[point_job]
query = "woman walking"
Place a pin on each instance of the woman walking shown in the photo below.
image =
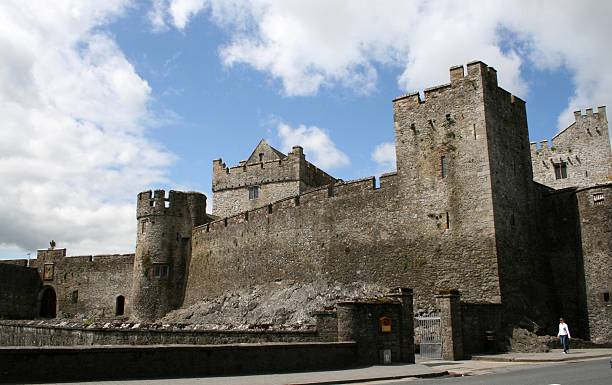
(564, 335)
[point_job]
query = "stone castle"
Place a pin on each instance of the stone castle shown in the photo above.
(522, 230)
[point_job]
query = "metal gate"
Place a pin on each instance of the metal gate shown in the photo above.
(428, 336)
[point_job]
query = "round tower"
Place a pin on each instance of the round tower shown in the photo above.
(163, 250)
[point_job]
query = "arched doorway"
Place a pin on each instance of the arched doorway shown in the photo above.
(120, 305)
(48, 303)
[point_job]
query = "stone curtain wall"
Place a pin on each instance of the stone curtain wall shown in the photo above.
(124, 362)
(19, 287)
(585, 148)
(595, 206)
(87, 285)
(396, 235)
(351, 232)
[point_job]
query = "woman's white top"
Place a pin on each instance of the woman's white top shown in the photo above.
(564, 330)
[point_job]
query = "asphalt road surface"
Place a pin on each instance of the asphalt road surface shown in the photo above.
(594, 372)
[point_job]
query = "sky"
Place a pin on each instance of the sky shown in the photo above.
(102, 100)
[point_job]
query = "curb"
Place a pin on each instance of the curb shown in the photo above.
(535, 359)
(370, 379)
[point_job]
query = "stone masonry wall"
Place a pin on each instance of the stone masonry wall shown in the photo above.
(351, 232)
(19, 287)
(560, 263)
(584, 146)
(513, 201)
(163, 250)
(276, 179)
(87, 285)
(232, 201)
(97, 363)
(595, 207)
(19, 333)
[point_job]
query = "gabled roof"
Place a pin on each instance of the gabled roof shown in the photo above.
(264, 152)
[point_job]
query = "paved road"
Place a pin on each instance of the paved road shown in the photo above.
(592, 372)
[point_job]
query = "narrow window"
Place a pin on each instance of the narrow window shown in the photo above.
(261, 155)
(253, 192)
(474, 130)
(447, 221)
(160, 270)
(443, 167)
(598, 199)
(560, 170)
(606, 297)
(120, 305)
(142, 227)
(75, 296)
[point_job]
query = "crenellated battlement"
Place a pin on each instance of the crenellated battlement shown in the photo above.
(578, 155)
(173, 204)
(307, 199)
(291, 168)
(589, 114)
(60, 255)
(478, 73)
(590, 124)
(266, 176)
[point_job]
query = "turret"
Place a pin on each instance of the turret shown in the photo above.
(163, 250)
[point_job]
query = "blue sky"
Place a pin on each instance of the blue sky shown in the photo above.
(105, 100)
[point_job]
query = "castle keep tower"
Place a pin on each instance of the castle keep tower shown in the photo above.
(163, 250)
(266, 176)
(463, 155)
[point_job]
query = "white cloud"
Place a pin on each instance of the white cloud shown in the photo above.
(74, 113)
(384, 156)
(315, 44)
(318, 146)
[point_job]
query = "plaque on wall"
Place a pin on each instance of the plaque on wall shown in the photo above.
(48, 272)
(385, 324)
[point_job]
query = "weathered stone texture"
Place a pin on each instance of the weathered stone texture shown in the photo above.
(396, 235)
(163, 250)
(19, 286)
(449, 304)
(276, 175)
(584, 147)
(595, 207)
(87, 285)
(14, 333)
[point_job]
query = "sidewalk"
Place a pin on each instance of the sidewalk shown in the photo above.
(482, 364)
(555, 355)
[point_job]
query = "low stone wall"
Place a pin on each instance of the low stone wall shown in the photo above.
(51, 364)
(19, 333)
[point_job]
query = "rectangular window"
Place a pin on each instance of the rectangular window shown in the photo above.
(560, 170)
(443, 167)
(75, 296)
(160, 270)
(598, 199)
(253, 192)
